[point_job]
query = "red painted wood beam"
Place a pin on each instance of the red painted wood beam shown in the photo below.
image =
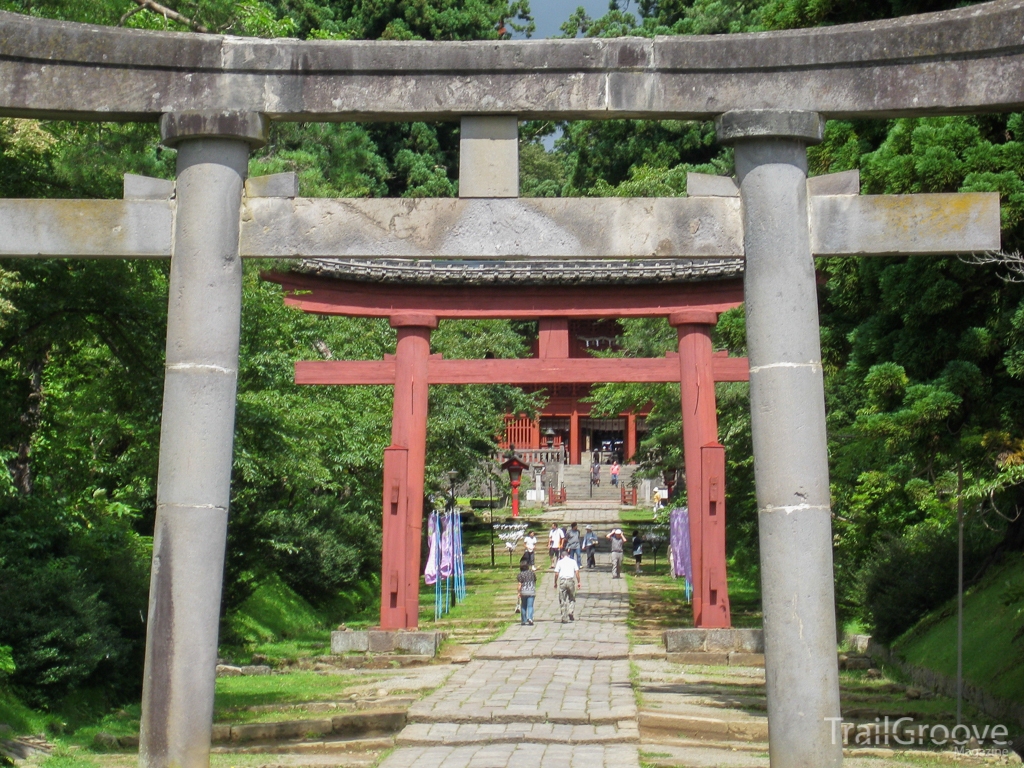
(573, 370)
(328, 296)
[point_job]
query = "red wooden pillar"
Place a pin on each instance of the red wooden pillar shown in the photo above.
(700, 428)
(403, 529)
(714, 585)
(392, 574)
(630, 437)
(553, 337)
(576, 453)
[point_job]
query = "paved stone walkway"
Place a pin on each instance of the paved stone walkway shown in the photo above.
(605, 514)
(548, 696)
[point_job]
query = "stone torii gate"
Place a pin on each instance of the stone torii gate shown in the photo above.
(769, 94)
(414, 310)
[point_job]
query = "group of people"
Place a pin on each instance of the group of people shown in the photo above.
(595, 472)
(565, 547)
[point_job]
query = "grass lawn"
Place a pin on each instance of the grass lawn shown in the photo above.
(993, 634)
(657, 601)
(490, 590)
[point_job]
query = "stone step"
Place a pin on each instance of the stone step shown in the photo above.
(374, 721)
(375, 745)
(608, 716)
(468, 734)
(723, 729)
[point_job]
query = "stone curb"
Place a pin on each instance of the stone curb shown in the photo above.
(742, 730)
(350, 724)
(613, 716)
(709, 659)
(311, 747)
(517, 736)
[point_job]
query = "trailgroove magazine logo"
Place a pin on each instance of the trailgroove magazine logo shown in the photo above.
(904, 732)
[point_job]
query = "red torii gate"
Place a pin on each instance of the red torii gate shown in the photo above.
(415, 309)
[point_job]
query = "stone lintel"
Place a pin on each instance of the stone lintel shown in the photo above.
(251, 127)
(489, 156)
(967, 60)
(444, 228)
(738, 125)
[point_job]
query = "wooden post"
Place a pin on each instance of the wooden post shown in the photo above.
(630, 437)
(396, 502)
(714, 585)
(409, 431)
(700, 427)
(575, 455)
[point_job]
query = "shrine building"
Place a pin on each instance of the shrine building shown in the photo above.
(565, 419)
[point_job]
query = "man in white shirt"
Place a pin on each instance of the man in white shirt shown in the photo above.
(567, 580)
(530, 545)
(555, 537)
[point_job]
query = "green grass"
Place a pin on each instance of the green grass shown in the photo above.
(20, 717)
(274, 611)
(639, 515)
(234, 694)
(484, 585)
(993, 635)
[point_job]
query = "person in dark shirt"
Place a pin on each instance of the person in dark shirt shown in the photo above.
(527, 589)
(638, 550)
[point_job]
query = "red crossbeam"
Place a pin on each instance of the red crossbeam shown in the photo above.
(518, 371)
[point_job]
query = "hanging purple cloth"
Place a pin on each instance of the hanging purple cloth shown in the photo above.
(679, 536)
(430, 572)
(446, 547)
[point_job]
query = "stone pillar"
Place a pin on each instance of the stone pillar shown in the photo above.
(700, 428)
(489, 156)
(787, 407)
(409, 430)
(196, 436)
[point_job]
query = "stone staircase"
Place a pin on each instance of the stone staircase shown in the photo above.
(577, 483)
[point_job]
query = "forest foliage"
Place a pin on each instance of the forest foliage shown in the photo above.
(924, 357)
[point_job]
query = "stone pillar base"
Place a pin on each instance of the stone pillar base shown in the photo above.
(417, 643)
(715, 647)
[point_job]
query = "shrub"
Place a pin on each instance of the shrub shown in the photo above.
(911, 575)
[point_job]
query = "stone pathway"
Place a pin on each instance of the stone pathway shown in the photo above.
(551, 695)
(603, 514)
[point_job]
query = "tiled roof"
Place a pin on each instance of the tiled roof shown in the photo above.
(526, 272)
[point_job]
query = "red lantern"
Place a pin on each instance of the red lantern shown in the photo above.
(515, 468)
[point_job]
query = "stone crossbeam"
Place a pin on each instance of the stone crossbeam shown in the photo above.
(557, 228)
(86, 228)
(892, 225)
(518, 371)
(441, 228)
(967, 60)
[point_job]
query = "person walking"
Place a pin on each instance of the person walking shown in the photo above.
(527, 590)
(530, 548)
(615, 468)
(617, 539)
(590, 546)
(567, 581)
(638, 550)
(595, 473)
(574, 543)
(555, 537)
